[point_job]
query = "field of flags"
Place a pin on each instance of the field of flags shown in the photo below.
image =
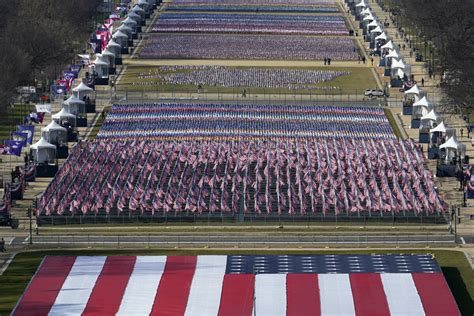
(257, 159)
(249, 23)
(232, 46)
(225, 7)
(231, 77)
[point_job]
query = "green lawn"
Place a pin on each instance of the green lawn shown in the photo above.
(456, 269)
(359, 79)
(13, 116)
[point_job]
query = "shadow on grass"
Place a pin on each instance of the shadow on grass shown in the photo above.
(459, 290)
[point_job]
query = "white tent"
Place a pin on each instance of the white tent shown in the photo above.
(126, 30)
(120, 38)
(440, 128)
(388, 45)
(451, 143)
(101, 66)
(400, 73)
(134, 16)
(369, 17)
(108, 56)
(377, 30)
(361, 4)
(75, 106)
(373, 23)
(393, 54)
(365, 11)
(63, 114)
(398, 64)
(431, 116)
(43, 151)
(138, 10)
(413, 90)
(115, 48)
(382, 36)
(129, 21)
(452, 148)
(54, 133)
(422, 102)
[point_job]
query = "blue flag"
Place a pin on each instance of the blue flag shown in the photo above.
(70, 75)
(20, 137)
(29, 130)
(58, 89)
(14, 147)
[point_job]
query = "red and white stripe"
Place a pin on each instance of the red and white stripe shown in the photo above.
(160, 285)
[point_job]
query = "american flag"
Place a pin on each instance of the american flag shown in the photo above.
(238, 285)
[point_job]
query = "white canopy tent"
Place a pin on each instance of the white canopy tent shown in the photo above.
(369, 17)
(54, 133)
(413, 90)
(131, 23)
(392, 54)
(120, 38)
(422, 102)
(75, 106)
(108, 56)
(430, 116)
(43, 152)
(64, 116)
(365, 11)
(134, 16)
(453, 148)
(361, 4)
(115, 48)
(81, 90)
(382, 37)
(373, 23)
(388, 45)
(126, 30)
(440, 128)
(377, 30)
(101, 67)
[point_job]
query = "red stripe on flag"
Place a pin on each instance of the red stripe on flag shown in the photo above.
(435, 294)
(108, 291)
(302, 295)
(45, 286)
(368, 294)
(237, 295)
(173, 291)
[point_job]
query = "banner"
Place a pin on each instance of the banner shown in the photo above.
(43, 108)
(14, 147)
(70, 74)
(21, 137)
(29, 130)
(58, 89)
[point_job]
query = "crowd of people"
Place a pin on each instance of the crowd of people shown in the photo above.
(251, 23)
(229, 77)
(229, 46)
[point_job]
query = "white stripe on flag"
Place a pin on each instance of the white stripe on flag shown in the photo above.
(142, 286)
(77, 288)
(270, 294)
(206, 287)
(402, 295)
(336, 294)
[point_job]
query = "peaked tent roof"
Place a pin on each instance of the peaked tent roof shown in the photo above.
(382, 36)
(388, 45)
(53, 126)
(398, 64)
(440, 128)
(373, 23)
(42, 143)
(368, 17)
(421, 102)
(377, 30)
(393, 54)
(432, 116)
(451, 143)
(63, 113)
(413, 90)
(119, 34)
(82, 87)
(361, 4)
(129, 20)
(73, 100)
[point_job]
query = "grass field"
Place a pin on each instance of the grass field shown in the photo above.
(359, 79)
(456, 269)
(14, 116)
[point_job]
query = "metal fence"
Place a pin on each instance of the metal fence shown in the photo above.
(241, 240)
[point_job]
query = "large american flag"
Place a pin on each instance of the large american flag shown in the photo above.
(238, 285)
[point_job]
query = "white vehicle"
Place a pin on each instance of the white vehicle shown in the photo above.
(373, 93)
